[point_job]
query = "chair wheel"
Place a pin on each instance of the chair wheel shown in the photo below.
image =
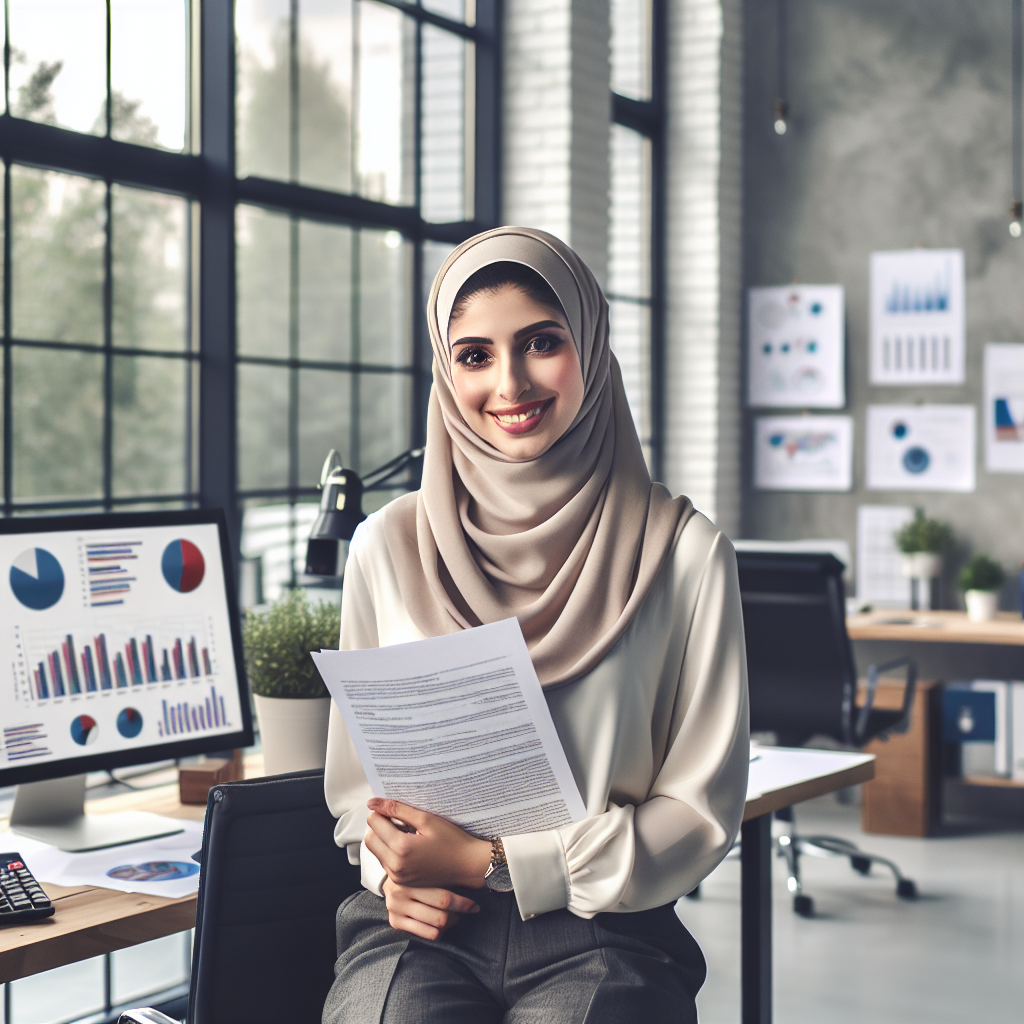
(803, 905)
(861, 864)
(906, 889)
(694, 893)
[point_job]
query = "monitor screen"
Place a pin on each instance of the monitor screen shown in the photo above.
(119, 643)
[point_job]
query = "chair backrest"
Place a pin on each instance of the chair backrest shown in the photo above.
(799, 660)
(272, 880)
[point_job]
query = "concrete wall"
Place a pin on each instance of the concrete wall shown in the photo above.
(899, 136)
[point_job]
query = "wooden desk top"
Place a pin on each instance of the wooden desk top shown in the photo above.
(936, 627)
(92, 921)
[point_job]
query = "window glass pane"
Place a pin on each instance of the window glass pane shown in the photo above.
(630, 329)
(385, 404)
(629, 231)
(385, 85)
(263, 427)
(385, 285)
(325, 292)
(454, 9)
(262, 33)
(148, 967)
(274, 536)
(443, 168)
(263, 273)
(59, 62)
(325, 400)
(65, 993)
(151, 279)
(57, 256)
(325, 94)
(150, 428)
(149, 83)
(631, 48)
(58, 423)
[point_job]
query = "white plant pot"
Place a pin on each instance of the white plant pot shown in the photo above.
(922, 565)
(294, 733)
(982, 605)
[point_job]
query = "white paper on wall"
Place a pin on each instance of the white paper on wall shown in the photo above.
(917, 317)
(803, 453)
(920, 447)
(880, 578)
(1004, 408)
(795, 347)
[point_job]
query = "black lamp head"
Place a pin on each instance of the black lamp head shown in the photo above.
(341, 511)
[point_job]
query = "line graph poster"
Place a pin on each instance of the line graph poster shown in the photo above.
(803, 453)
(795, 347)
(921, 447)
(917, 317)
(1004, 408)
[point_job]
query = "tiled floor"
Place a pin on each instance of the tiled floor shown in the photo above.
(955, 955)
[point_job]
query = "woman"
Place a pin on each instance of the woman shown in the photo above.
(536, 502)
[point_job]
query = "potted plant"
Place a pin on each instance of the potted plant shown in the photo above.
(980, 581)
(922, 542)
(292, 703)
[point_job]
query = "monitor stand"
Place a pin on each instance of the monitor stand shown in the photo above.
(54, 812)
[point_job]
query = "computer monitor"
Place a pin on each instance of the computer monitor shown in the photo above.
(119, 645)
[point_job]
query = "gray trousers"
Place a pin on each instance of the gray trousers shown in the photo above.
(495, 968)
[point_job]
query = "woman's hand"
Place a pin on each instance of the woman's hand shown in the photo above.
(426, 913)
(437, 854)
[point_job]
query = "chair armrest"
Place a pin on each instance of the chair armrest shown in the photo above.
(145, 1015)
(909, 690)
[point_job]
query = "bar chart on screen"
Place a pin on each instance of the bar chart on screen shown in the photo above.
(198, 715)
(110, 570)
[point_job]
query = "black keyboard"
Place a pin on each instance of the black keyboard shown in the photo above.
(21, 898)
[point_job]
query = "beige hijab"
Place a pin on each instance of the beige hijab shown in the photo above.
(569, 542)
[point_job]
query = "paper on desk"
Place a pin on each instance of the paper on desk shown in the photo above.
(457, 725)
(156, 867)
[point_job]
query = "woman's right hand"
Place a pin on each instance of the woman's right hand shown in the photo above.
(425, 913)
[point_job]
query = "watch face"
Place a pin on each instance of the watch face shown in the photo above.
(498, 879)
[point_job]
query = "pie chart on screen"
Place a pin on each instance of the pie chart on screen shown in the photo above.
(129, 723)
(84, 730)
(183, 565)
(37, 579)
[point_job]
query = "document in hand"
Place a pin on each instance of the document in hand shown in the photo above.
(457, 725)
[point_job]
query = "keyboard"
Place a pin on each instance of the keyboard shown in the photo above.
(21, 897)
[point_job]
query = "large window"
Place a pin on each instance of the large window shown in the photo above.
(219, 220)
(634, 270)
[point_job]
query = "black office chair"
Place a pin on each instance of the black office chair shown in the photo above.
(272, 880)
(803, 683)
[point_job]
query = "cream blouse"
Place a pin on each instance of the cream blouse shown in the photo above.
(656, 736)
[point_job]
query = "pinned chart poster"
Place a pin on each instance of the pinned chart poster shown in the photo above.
(917, 317)
(1004, 408)
(920, 447)
(803, 453)
(795, 347)
(880, 577)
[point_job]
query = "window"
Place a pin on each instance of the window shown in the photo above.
(216, 249)
(634, 267)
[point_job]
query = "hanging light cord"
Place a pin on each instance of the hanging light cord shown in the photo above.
(781, 106)
(1017, 205)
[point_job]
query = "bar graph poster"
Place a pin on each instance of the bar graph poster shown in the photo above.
(803, 453)
(921, 447)
(795, 347)
(917, 317)
(1004, 408)
(880, 577)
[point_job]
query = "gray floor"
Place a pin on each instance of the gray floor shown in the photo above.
(955, 955)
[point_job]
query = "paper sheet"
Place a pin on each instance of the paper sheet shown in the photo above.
(157, 867)
(1004, 408)
(921, 448)
(795, 347)
(880, 578)
(803, 453)
(457, 725)
(917, 317)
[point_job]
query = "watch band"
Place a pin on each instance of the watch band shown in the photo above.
(497, 877)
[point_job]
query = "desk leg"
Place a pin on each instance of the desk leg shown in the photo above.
(756, 889)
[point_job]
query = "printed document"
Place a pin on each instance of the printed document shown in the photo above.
(457, 725)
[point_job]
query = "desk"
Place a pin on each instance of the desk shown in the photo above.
(779, 778)
(93, 921)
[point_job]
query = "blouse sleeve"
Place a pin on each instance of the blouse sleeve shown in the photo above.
(635, 858)
(345, 783)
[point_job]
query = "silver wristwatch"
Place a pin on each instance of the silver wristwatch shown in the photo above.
(497, 877)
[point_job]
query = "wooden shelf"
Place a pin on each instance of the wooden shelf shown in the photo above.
(989, 780)
(937, 627)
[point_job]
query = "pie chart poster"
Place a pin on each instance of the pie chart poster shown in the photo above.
(921, 448)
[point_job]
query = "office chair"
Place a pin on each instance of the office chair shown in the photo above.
(272, 880)
(803, 683)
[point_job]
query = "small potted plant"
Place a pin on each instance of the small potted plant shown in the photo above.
(980, 581)
(922, 542)
(292, 703)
